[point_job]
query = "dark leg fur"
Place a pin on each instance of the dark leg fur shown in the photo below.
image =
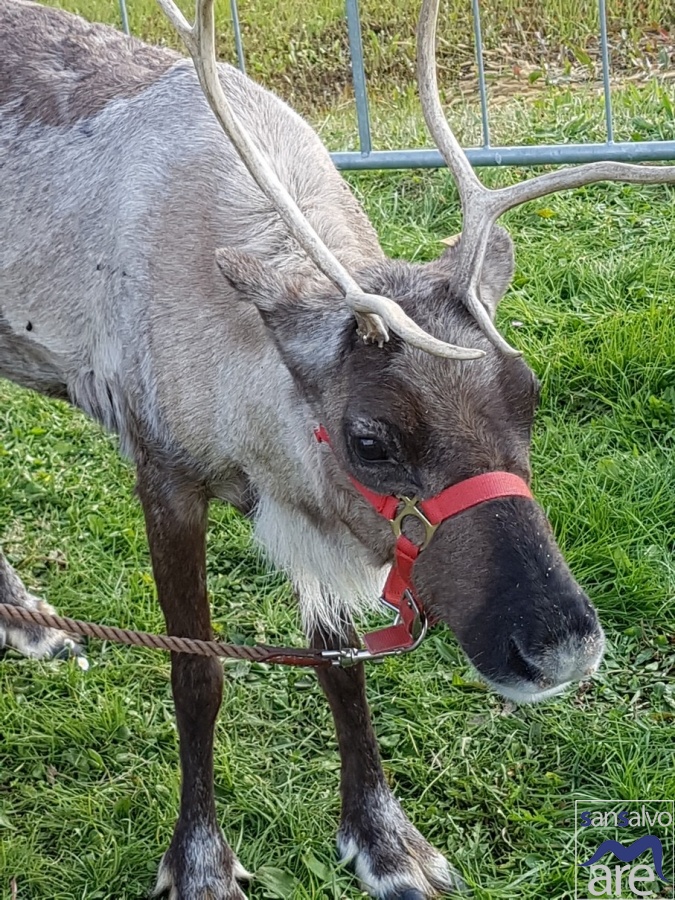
(199, 864)
(389, 855)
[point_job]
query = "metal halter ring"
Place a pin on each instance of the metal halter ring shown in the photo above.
(410, 508)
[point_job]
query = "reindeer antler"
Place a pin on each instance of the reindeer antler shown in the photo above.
(374, 313)
(481, 206)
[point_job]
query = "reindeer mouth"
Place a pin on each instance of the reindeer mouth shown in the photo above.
(525, 692)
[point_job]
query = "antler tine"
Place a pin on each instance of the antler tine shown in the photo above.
(468, 184)
(481, 206)
(578, 176)
(374, 314)
(478, 206)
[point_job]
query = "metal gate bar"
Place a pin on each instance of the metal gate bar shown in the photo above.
(482, 90)
(237, 35)
(487, 155)
(605, 72)
(359, 76)
(539, 155)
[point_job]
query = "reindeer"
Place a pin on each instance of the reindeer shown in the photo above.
(220, 301)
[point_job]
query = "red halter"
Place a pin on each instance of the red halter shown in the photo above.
(399, 593)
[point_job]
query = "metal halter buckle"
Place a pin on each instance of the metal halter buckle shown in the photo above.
(346, 657)
(410, 508)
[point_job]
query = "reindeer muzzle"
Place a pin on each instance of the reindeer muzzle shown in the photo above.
(412, 621)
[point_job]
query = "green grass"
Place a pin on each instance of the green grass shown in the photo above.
(88, 761)
(301, 50)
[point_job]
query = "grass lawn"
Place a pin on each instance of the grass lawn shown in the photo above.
(88, 761)
(300, 47)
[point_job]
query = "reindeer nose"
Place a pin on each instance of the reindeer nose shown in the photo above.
(578, 657)
(573, 659)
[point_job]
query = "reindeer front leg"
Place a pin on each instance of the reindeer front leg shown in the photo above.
(389, 855)
(199, 864)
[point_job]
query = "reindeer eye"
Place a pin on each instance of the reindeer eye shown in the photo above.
(370, 449)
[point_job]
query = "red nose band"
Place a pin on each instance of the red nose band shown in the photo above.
(399, 593)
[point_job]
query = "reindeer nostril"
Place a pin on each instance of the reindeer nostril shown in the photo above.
(523, 666)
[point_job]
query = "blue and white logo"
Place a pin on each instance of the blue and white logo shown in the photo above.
(620, 869)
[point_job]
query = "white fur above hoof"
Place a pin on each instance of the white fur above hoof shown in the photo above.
(203, 869)
(37, 642)
(390, 857)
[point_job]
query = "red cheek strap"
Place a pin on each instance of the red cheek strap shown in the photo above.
(399, 592)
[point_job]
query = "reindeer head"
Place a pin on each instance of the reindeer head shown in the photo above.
(414, 413)
(404, 422)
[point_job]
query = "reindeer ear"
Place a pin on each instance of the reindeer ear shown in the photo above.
(498, 265)
(253, 279)
(497, 268)
(310, 331)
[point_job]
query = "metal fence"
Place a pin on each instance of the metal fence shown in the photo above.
(486, 155)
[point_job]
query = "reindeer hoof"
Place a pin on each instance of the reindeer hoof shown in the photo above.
(390, 857)
(34, 641)
(199, 865)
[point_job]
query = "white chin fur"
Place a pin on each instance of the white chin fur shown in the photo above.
(332, 575)
(526, 692)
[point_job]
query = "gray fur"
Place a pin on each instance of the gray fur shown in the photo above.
(108, 242)
(73, 68)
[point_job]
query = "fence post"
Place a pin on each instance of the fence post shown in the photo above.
(478, 38)
(125, 16)
(487, 155)
(605, 71)
(359, 75)
(237, 36)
